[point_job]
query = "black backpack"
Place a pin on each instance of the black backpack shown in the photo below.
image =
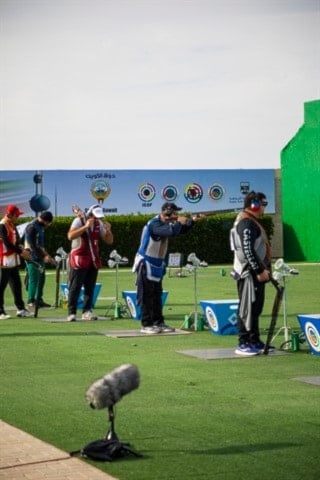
(106, 450)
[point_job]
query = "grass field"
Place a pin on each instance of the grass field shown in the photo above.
(190, 418)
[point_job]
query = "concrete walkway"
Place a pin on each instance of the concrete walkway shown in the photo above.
(24, 457)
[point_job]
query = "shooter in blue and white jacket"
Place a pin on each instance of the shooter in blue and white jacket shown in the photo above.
(150, 264)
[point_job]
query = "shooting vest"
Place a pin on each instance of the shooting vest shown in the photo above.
(8, 257)
(261, 246)
(152, 252)
(82, 255)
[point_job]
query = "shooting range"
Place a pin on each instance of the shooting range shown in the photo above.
(123, 106)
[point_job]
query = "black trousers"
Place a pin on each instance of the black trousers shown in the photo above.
(252, 335)
(87, 278)
(11, 276)
(150, 299)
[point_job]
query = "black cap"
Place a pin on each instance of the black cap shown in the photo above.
(170, 207)
(46, 216)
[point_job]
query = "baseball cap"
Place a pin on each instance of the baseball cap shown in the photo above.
(169, 206)
(13, 210)
(46, 216)
(96, 211)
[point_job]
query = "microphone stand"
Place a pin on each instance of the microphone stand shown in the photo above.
(112, 438)
(109, 448)
(111, 434)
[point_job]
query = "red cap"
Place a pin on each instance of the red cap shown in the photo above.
(13, 210)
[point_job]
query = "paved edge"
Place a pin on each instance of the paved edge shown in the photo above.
(24, 457)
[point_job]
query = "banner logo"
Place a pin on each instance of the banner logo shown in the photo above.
(146, 192)
(312, 335)
(216, 191)
(170, 193)
(131, 306)
(212, 319)
(193, 193)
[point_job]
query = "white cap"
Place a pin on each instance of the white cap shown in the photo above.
(96, 211)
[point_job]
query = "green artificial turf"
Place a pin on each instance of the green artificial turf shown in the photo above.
(190, 418)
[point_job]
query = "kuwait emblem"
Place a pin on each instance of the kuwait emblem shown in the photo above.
(100, 190)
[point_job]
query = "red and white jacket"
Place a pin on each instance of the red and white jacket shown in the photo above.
(82, 255)
(9, 251)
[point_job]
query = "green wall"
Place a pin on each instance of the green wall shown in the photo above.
(300, 180)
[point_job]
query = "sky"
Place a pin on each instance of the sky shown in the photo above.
(154, 84)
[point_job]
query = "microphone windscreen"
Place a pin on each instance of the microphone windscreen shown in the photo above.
(108, 390)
